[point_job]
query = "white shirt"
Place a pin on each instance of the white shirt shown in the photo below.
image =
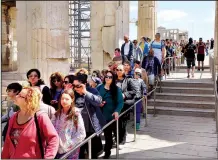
(126, 48)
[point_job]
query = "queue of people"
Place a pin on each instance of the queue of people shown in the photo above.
(49, 121)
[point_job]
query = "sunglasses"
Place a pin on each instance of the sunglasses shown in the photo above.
(109, 77)
(57, 80)
(119, 70)
(77, 86)
(66, 82)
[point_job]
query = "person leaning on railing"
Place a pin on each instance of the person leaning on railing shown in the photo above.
(30, 134)
(112, 103)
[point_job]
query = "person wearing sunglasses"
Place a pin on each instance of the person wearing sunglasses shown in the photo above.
(68, 81)
(34, 79)
(31, 134)
(56, 83)
(131, 93)
(112, 104)
(88, 100)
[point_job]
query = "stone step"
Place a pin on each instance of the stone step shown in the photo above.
(195, 112)
(182, 96)
(182, 103)
(188, 90)
(188, 83)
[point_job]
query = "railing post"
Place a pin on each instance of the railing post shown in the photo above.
(146, 111)
(90, 148)
(117, 128)
(135, 122)
(154, 103)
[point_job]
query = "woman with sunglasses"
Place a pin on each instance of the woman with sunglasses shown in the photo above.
(30, 134)
(112, 103)
(68, 81)
(56, 83)
(69, 124)
(33, 76)
(131, 93)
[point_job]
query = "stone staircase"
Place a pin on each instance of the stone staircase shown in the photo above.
(185, 97)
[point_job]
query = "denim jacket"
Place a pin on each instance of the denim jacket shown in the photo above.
(95, 121)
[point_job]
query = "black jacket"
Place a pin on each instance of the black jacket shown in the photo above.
(130, 55)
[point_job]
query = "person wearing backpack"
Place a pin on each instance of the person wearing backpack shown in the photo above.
(190, 56)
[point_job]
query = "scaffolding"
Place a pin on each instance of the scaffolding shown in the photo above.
(79, 34)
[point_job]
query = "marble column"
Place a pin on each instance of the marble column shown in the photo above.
(43, 37)
(216, 36)
(146, 19)
(109, 23)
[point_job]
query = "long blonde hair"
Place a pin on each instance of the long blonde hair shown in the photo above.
(33, 100)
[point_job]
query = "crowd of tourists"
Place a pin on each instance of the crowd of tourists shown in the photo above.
(48, 121)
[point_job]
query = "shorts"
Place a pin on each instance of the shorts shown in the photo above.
(200, 57)
(190, 62)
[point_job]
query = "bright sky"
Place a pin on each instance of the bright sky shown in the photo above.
(197, 17)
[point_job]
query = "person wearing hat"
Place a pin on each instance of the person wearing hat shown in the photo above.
(94, 82)
(143, 91)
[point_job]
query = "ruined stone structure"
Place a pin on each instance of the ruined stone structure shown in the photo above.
(174, 34)
(216, 37)
(42, 41)
(147, 19)
(109, 23)
(9, 42)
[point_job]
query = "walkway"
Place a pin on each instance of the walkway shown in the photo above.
(172, 137)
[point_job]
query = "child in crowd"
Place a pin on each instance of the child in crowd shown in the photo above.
(13, 90)
(137, 76)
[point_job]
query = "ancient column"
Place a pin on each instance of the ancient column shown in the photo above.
(146, 19)
(216, 36)
(43, 42)
(109, 23)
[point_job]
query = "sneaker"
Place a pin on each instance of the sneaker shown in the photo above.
(107, 155)
(198, 69)
(202, 69)
(137, 126)
(188, 76)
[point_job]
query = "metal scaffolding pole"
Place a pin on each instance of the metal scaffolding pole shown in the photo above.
(79, 34)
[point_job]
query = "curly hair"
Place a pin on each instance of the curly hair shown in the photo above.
(72, 114)
(82, 70)
(33, 99)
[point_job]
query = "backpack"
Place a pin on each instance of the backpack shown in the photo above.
(162, 44)
(190, 50)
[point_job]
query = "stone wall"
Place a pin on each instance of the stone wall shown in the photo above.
(109, 23)
(9, 43)
(43, 37)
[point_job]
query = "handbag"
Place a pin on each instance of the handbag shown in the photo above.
(39, 136)
(151, 79)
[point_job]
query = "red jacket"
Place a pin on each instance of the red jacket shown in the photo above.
(28, 146)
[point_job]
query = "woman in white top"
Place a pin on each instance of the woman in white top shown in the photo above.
(69, 125)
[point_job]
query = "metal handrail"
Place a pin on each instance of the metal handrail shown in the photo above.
(117, 127)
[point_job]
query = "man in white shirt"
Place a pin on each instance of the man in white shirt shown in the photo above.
(127, 49)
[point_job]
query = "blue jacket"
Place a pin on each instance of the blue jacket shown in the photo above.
(156, 67)
(95, 121)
